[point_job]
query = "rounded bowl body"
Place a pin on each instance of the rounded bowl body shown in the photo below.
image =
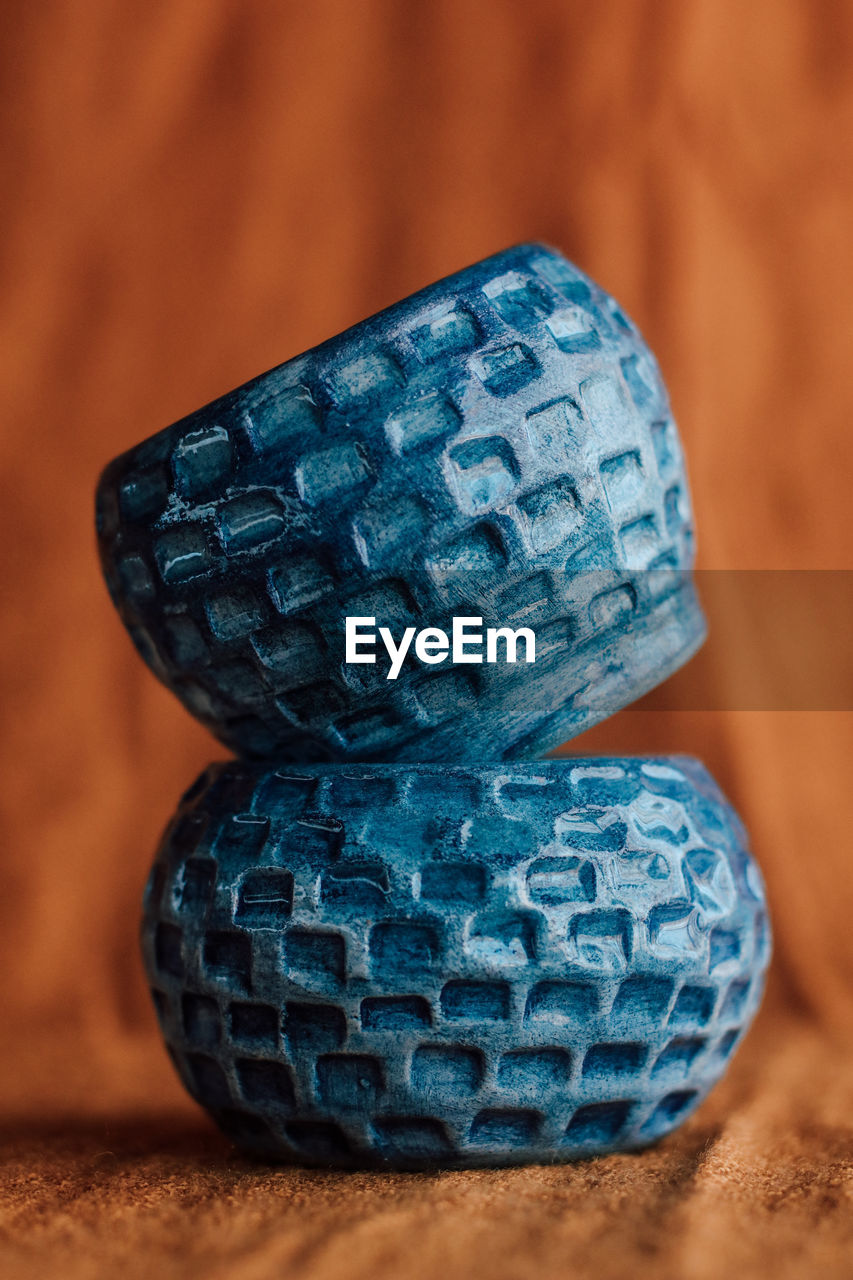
(409, 966)
(499, 445)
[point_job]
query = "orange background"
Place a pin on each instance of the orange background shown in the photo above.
(194, 192)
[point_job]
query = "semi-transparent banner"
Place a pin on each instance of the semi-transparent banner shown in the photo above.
(777, 640)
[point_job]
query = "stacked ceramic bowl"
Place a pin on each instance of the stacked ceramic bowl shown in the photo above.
(390, 575)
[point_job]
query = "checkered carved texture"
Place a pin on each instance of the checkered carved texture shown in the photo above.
(429, 965)
(500, 444)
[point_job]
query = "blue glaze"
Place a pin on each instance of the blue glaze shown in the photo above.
(426, 965)
(500, 444)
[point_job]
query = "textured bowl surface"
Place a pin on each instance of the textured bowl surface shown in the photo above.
(499, 444)
(427, 965)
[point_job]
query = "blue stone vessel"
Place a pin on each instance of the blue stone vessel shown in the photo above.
(499, 444)
(419, 965)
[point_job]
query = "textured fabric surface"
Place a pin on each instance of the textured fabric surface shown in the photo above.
(193, 193)
(757, 1183)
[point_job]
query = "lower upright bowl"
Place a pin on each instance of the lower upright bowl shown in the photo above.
(419, 965)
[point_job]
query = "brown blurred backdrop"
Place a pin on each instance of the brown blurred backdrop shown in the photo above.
(195, 191)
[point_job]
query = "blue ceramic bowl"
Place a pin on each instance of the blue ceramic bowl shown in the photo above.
(498, 445)
(411, 966)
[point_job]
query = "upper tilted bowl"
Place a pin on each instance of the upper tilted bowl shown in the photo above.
(499, 445)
